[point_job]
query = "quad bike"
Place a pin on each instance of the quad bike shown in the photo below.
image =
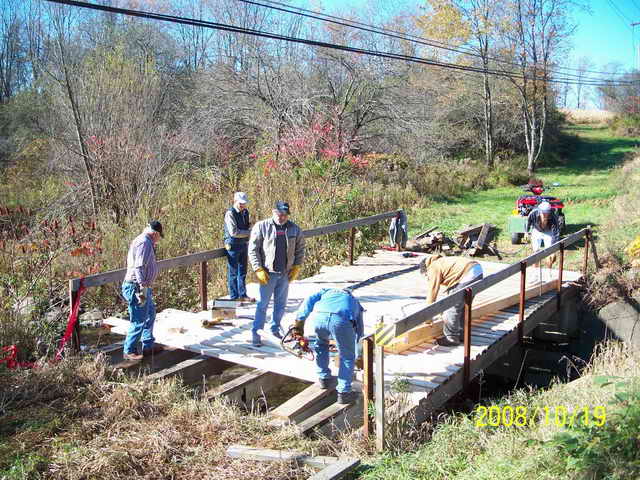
(517, 225)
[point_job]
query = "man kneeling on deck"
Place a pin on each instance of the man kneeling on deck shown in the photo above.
(454, 273)
(336, 314)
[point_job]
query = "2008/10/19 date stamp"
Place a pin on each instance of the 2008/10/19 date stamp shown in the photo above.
(521, 416)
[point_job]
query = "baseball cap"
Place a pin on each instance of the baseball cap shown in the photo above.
(156, 226)
(544, 207)
(240, 197)
(282, 207)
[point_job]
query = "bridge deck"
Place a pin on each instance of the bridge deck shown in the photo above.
(386, 284)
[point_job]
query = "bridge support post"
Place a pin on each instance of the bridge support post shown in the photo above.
(523, 288)
(380, 426)
(203, 285)
(468, 300)
(560, 271)
(352, 241)
(585, 260)
(367, 385)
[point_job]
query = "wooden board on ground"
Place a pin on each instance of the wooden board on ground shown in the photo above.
(426, 333)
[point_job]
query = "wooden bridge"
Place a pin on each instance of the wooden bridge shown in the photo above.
(390, 287)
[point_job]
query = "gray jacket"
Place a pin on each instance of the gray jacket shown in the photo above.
(262, 245)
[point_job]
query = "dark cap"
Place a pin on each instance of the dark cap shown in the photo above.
(156, 226)
(282, 207)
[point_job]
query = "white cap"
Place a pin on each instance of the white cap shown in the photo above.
(240, 197)
(544, 207)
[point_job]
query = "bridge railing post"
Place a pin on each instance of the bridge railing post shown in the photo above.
(523, 288)
(585, 260)
(367, 385)
(352, 241)
(560, 272)
(379, 387)
(203, 285)
(468, 300)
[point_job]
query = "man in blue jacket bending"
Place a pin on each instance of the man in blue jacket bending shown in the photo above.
(336, 314)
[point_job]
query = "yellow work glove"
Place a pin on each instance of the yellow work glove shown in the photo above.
(294, 272)
(227, 246)
(263, 276)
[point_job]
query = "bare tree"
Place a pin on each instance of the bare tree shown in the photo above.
(536, 32)
(584, 65)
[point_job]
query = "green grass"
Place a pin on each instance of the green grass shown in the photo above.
(587, 184)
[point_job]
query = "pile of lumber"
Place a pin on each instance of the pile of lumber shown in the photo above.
(477, 239)
(431, 241)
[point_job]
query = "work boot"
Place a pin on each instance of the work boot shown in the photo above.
(346, 398)
(152, 351)
(247, 299)
(133, 357)
(447, 342)
(255, 340)
(327, 383)
(277, 334)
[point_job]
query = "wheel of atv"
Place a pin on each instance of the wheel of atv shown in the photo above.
(562, 223)
(516, 238)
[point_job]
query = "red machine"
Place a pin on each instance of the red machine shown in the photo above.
(526, 203)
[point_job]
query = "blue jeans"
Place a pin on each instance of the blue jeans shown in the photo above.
(278, 287)
(327, 326)
(141, 317)
(237, 259)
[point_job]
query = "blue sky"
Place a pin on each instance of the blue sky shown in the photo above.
(603, 32)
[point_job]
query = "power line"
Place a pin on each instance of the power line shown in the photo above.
(317, 43)
(620, 14)
(394, 33)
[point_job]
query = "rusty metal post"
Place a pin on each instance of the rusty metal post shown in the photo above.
(352, 241)
(379, 394)
(203, 285)
(468, 300)
(367, 385)
(560, 271)
(523, 287)
(587, 239)
(75, 336)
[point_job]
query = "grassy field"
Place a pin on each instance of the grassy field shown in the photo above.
(586, 184)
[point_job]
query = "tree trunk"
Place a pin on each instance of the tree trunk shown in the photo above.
(488, 121)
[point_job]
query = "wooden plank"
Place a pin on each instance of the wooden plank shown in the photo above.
(337, 470)
(323, 417)
(483, 238)
(302, 402)
(481, 308)
(193, 370)
(447, 390)
(268, 455)
(339, 227)
(248, 386)
(470, 230)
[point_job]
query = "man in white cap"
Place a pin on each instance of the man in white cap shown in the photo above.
(543, 226)
(236, 241)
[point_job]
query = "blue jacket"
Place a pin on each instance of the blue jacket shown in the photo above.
(337, 301)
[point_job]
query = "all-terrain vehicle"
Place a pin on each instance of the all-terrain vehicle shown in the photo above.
(517, 224)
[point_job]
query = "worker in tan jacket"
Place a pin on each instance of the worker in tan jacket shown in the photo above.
(453, 273)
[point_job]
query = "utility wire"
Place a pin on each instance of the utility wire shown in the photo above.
(620, 14)
(317, 43)
(394, 33)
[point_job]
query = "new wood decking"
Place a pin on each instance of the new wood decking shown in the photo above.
(388, 285)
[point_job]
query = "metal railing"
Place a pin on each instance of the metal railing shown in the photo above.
(374, 352)
(202, 258)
